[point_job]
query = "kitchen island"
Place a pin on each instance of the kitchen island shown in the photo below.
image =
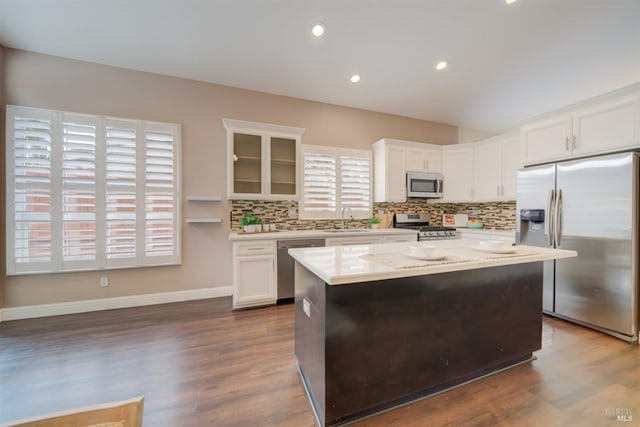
(376, 329)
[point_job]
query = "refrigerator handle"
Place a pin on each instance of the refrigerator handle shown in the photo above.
(549, 217)
(558, 219)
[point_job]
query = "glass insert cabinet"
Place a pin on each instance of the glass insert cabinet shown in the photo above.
(262, 160)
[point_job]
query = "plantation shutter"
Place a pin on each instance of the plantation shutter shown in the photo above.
(161, 203)
(87, 192)
(120, 197)
(319, 183)
(29, 222)
(355, 183)
(333, 179)
(78, 198)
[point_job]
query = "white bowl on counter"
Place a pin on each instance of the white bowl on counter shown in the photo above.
(426, 251)
(492, 244)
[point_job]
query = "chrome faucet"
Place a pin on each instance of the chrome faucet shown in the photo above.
(342, 216)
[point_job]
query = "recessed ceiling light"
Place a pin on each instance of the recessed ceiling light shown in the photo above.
(441, 65)
(318, 29)
(510, 1)
(355, 78)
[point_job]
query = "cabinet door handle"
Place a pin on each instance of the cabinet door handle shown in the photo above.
(426, 164)
(566, 143)
(502, 190)
(575, 143)
(498, 190)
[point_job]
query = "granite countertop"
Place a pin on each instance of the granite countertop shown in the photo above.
(302, 234)
(339, 265)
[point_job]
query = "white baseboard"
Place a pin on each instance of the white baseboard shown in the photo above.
(43, 310)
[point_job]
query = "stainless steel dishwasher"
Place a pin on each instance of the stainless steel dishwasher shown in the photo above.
(286, 266)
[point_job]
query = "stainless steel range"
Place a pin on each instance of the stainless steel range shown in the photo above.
(420, 222)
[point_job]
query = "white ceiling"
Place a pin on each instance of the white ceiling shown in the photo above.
(507, 62)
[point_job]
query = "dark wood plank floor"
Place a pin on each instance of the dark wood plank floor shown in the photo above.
(200, 364)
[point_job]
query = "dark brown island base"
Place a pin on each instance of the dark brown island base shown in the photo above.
(366, 347)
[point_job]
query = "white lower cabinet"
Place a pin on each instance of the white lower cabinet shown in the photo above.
(254, 274)
(356, 240)
(370, 240)
(400, 238)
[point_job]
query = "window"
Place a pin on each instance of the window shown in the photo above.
(333, 179)
(87, 192)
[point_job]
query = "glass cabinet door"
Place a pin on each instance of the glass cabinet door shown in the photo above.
(247, 163)
(283, 166)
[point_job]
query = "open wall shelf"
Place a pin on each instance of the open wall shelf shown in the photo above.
(203, 199)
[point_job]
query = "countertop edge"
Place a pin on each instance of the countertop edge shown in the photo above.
(302, 234)
(543, 254)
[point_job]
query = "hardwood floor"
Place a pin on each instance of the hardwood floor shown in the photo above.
(200, 364)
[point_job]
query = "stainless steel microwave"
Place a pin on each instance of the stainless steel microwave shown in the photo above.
(425, 184)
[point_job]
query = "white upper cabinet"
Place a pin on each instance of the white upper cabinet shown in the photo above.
(424, 160)
(262, 160)
(599, 126)
(497, 161)
(510, 163)
(389, 173)
(546, 140)
(458, 171)
(487, 180)
(606, 127)
(392, 158)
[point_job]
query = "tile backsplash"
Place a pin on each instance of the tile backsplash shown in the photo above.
(494, 215)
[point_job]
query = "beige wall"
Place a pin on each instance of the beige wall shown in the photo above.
(49, 82)
(473, 135)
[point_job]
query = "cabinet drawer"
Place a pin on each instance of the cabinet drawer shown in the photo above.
(347, 241)
(400, 239)
(254, 248)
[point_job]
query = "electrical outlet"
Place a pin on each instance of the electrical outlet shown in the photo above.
(104, 282)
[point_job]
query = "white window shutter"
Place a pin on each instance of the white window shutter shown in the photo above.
(355, 184)
(335, 178)
(78, 199)
(87, 192)
(120, 197)
(319, 184)
(29, 221)
(160, 198)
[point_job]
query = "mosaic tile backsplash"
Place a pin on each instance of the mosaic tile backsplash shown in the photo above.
(494, 215)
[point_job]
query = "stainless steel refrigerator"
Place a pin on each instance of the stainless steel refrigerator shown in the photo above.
(590, 206)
